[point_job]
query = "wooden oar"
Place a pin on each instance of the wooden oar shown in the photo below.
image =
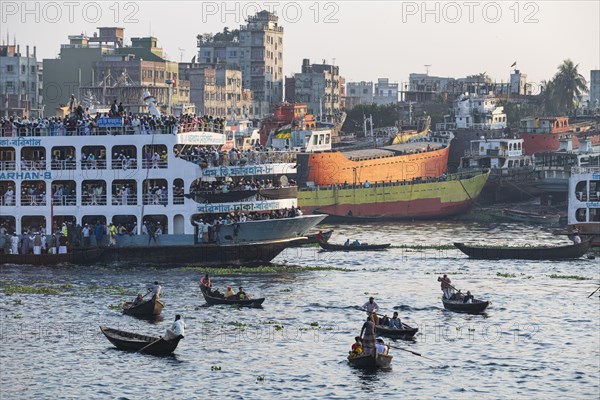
(148, 345)
(591, 294)
(412, 352)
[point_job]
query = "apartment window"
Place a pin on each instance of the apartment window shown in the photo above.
(9, 86)
(33, 69)
(10, 68)
(23, 69)
(23, 85)
(33, 86)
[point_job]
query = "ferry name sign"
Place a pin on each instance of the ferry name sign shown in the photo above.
(267, 205)
(201, 138)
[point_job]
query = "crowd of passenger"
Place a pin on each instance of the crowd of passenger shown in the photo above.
(67, 235)
(81, 122)
(225, 185)
(209, 225)
(211, 156)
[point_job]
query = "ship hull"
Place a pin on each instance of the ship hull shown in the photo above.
(410, 201)
(333, 168)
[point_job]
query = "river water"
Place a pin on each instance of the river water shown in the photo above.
(539, 339)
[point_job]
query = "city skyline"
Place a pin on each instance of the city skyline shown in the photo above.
(399, 38)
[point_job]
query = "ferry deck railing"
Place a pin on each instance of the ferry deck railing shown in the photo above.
(30, 131)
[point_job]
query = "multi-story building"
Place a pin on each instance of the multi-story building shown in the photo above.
(595, 89)
(358, 93)
(385, 92)
(73, 68)
(318, 85)
(103, 69)
(257, 50)
(19, 82)
(218, 91)
(135, 69)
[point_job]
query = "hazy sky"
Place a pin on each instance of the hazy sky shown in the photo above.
(366, 39)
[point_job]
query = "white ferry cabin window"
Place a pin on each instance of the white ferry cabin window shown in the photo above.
(580, 215)
(581, 190)
(594, 214)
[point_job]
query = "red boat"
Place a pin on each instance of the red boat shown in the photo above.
(541, 135)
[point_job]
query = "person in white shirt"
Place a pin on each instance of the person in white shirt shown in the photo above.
(177, 329)
(380, 346)
(155, 289)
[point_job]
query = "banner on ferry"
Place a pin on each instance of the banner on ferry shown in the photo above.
(21, 141)
(255, 206)
(110, 122)
(201, 138)
(263, 169)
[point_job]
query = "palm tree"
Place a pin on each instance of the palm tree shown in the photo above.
(569, 86)
(549, 101)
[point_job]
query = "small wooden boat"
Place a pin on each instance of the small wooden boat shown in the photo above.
(312, 238)
(134, 342)
(213, 300)
(371, 361)
(476, 307)
(362, 247)
(529, 217)
(407, 332)
(525, 253)
(148, 308)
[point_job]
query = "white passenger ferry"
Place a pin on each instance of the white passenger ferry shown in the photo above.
(584, 202)
(136, 172)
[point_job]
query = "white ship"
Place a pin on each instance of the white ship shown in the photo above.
(136, 174)
(584, 202)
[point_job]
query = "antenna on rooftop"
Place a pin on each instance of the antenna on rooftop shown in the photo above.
(180, 54)
(427, 68)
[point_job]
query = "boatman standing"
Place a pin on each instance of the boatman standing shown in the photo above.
(446, 286)
(155, 289)
(372, 308)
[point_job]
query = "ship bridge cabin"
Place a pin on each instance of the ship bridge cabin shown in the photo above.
(544, 125)
(495, 154)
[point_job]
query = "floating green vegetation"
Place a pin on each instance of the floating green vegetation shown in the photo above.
(9, 290)
(314, 324)
(505, 275)
(215, 368)
(17, 302)
(17, 316)
(111, 289)
(576, 277)
(115, 306)
(287, 290)
(260, 378)
(265, 269)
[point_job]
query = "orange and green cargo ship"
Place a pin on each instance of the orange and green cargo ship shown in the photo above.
(431, 198)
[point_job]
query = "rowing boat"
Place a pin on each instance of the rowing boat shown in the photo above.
(476, 307)
(148, 308)
(371, 361)
(130, 341)
(525, 253)
(213, 300)
(406, 332)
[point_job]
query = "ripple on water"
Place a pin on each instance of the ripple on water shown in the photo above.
(53, 345)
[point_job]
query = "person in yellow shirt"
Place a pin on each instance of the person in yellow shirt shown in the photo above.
(230, 294)
(356, 347)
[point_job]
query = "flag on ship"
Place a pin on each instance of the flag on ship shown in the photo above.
(513, 64)
(285, 132)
